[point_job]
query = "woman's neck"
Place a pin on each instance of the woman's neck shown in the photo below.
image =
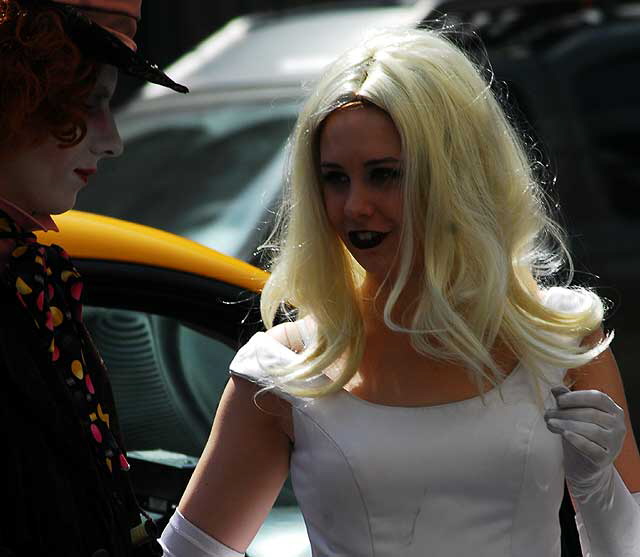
(374, 297)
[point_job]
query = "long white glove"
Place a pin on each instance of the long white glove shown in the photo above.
(593, 430)
(182, 538)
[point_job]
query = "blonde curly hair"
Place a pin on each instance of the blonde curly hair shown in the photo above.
(477, 215)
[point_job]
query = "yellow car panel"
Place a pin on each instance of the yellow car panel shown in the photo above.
(91, 236)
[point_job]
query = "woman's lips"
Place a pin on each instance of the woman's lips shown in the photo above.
(366, 239)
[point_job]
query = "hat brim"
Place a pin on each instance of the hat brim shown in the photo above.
(105, 47)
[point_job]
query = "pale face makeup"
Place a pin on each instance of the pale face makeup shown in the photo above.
(45, 179)
(361, 175)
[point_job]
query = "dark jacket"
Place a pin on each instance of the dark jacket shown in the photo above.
(58, 499)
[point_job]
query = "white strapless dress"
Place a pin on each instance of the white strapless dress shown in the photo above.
(451, 480)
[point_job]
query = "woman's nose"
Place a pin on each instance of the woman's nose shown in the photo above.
(359, 201)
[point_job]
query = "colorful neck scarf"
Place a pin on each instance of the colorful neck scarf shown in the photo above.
(49, 288)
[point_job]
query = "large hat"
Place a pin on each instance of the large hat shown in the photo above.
(104, 29)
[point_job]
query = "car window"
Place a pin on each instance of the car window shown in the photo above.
(207, 174)
(167, 338)
(167, 380)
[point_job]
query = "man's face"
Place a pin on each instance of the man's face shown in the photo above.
(45, 179)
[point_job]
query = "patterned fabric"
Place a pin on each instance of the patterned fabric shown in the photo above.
(49, 288)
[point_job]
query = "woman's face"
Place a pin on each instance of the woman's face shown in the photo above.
(46, 178)
(361, 175)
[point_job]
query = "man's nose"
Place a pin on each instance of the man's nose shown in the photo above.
(108, 142)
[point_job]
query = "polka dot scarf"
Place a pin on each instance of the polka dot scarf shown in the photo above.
(49, 288)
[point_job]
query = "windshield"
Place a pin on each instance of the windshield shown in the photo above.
(208, 174)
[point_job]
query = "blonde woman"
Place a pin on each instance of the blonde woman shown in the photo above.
(418, 396)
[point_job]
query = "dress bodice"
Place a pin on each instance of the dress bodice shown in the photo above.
(463, 478)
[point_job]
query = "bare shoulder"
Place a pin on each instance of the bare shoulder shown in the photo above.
(264, 406)
(601, 373)
(604, 363)
(290, 333)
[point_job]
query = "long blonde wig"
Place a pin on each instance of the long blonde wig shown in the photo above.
(474, 212)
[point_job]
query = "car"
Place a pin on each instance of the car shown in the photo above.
(167, 315)
(210, 166)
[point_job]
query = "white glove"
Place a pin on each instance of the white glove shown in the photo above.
(593, 428)
(182, 538)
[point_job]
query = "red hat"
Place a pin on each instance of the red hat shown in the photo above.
(104, 29)
(119, 17)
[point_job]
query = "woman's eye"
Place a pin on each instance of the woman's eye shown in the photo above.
(334, 178)
(383, 175)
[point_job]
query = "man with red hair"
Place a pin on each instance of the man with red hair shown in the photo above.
(64, 466)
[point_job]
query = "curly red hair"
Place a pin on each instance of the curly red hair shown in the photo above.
(44, 78)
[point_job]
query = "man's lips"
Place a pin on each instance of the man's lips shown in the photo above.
(84, 173)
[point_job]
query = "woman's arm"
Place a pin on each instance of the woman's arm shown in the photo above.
(242, 468)
(602, 462)
(602, 374)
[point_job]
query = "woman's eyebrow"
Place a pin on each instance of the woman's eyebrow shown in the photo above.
(374, 162)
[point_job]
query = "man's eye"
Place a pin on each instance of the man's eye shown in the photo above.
(334, 178)
(384, 175)
(93, 105)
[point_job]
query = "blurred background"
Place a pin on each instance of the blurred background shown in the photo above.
(169, 29)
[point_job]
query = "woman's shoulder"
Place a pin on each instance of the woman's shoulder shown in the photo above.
(294, 335)
(268, 352)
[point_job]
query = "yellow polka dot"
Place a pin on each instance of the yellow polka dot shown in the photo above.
(103, 415)
(93, 416)
(39, 260)
(65, 275)
(52, 346)
(19, 251)
(108, 461)
(49, 272)
(76, 369)
(22, 287)
(58, 316)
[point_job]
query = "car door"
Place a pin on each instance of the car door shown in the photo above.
(167, 316)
